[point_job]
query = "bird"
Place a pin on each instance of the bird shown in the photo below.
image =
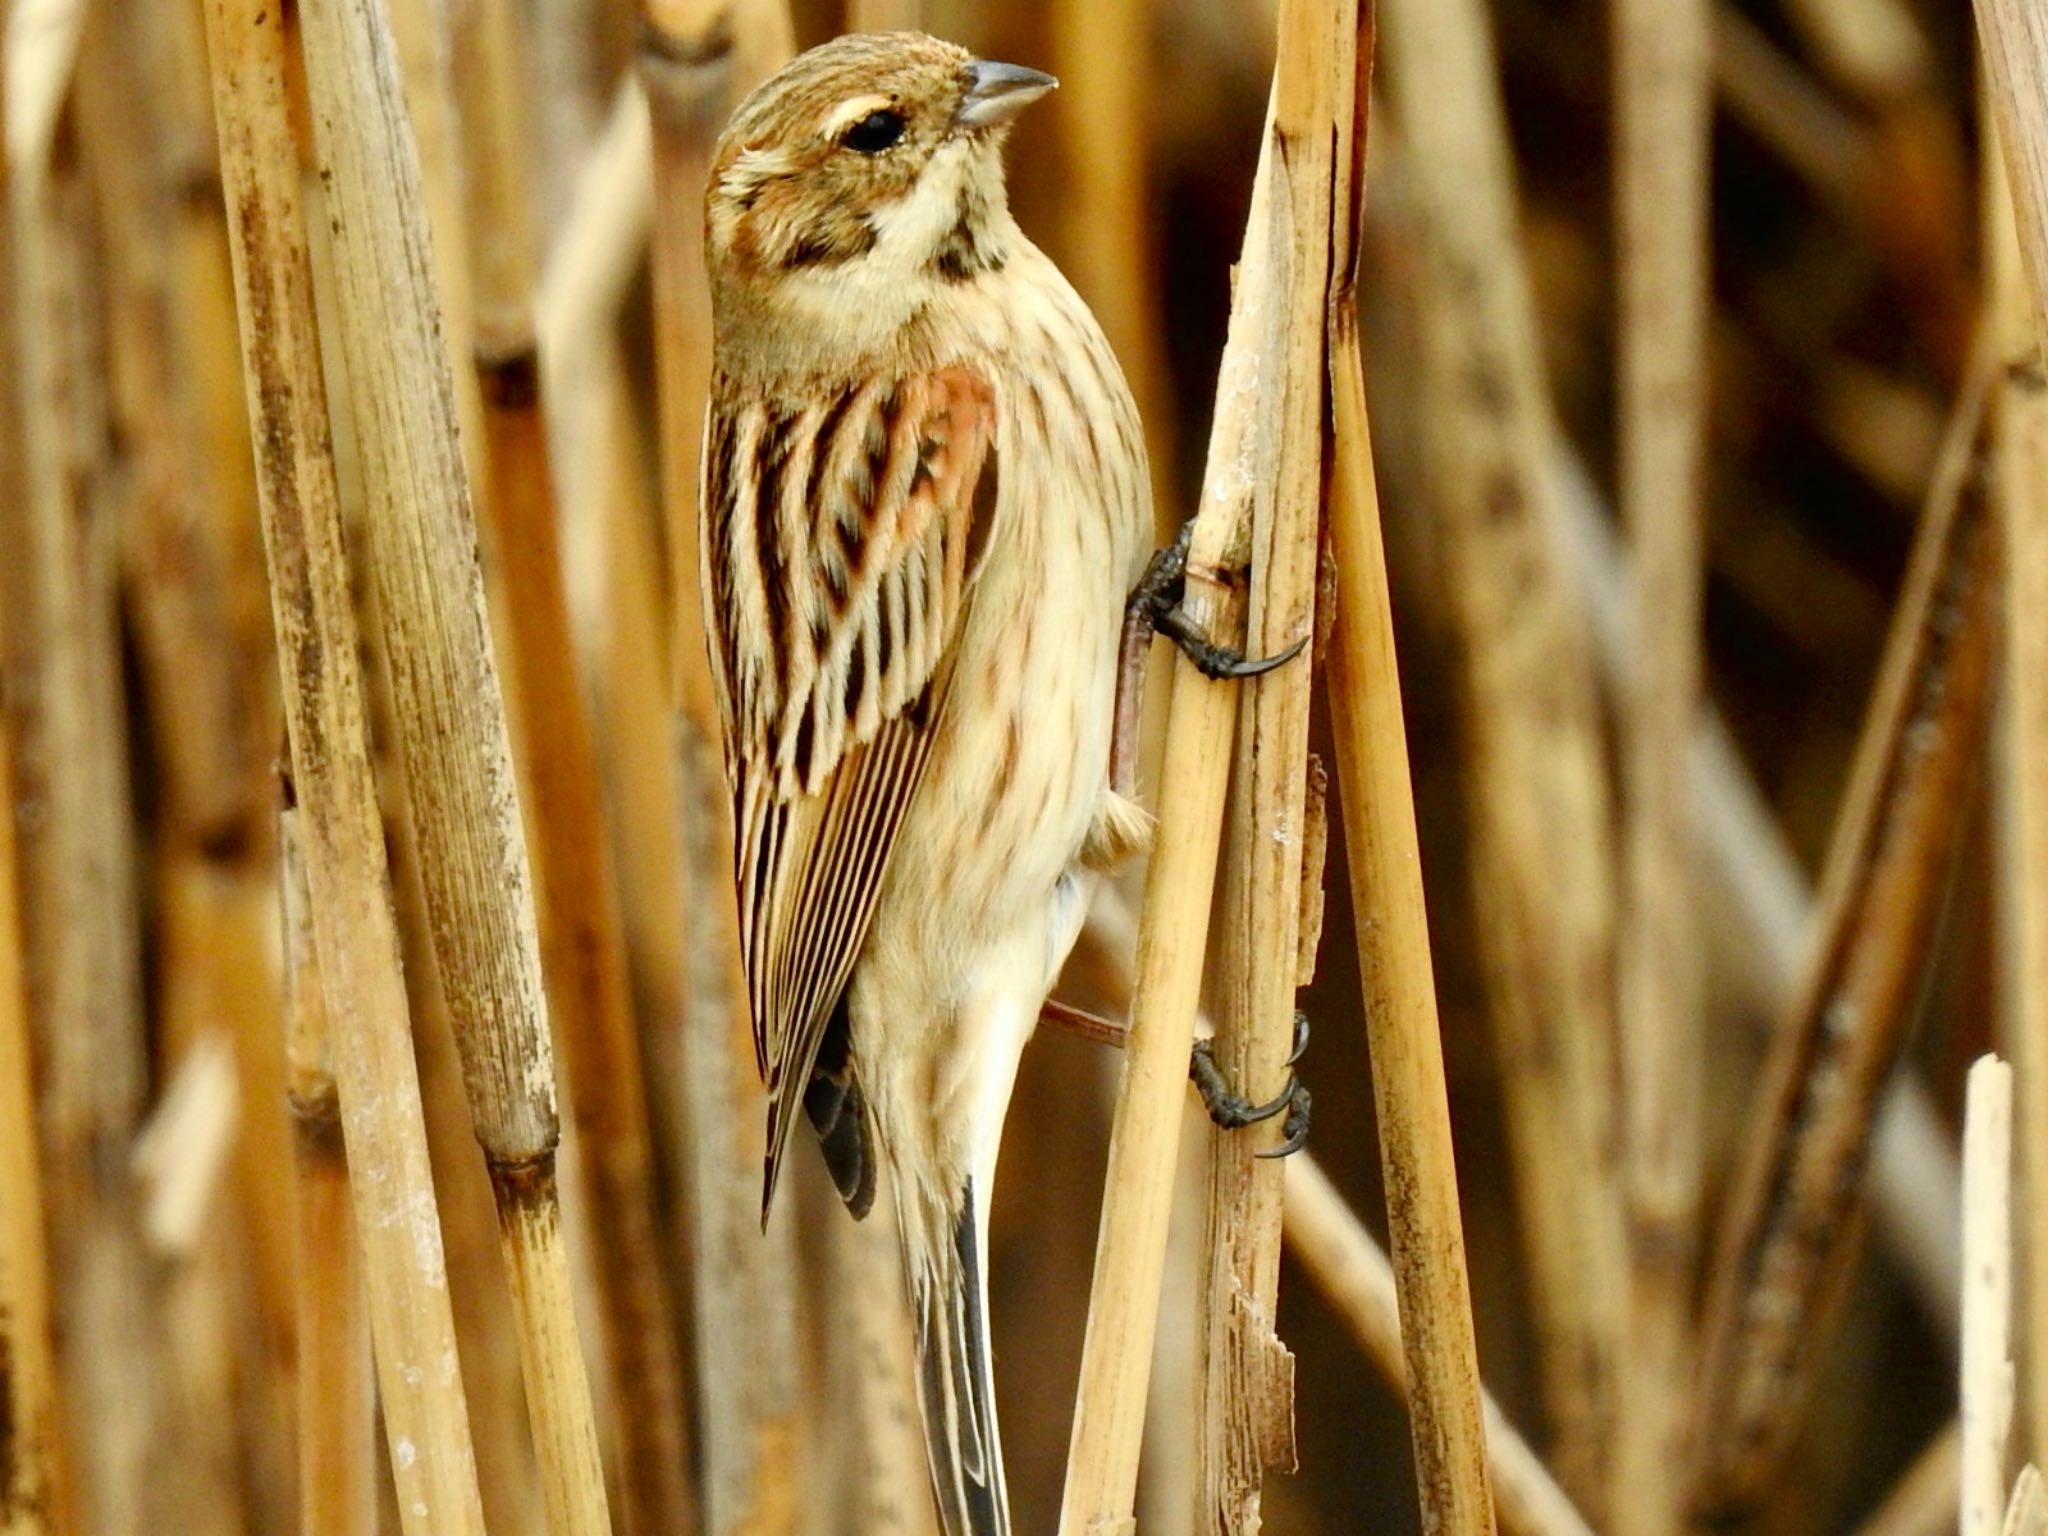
(925, 504)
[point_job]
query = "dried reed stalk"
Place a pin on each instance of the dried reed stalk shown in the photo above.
(1396, 977)
(876, 1386)
(2026, 1514)
(1357, 1279)
(1662, 112)
(1987, 1380)
(1923, 1502)
(2016, 51)
(419, 31)
(697, 56)
(1787, 1235)
(84, 972)
(1763, 933)
(2015, 42)
(193, 577)
(340, 826)
(1792, 113)
(32, 1446)
(336, 1388)
(1536, 781)
(209, 766)
(179, 1159)
(1103, 55)
(582, 939)
(1244, 1376)
(450, 714)
(32, 1471)
(1874, 48)
(602, 241)
(1130, 1251)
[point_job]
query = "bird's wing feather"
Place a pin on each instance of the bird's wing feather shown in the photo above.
(841, 539)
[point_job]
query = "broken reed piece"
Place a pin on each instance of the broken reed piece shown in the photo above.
(1536, 784)
(340, 830)
(697, 58)
(1662, 108)
(1987, 1375)
(1244, 1375)
(336, 1388)
(1787, 1234)
(452, 729)
(1357, 1280)
(1397, 979)
(581, 934)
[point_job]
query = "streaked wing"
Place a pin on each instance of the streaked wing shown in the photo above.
(840, 543)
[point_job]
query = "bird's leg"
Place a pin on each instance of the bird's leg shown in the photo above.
(1092, 1027)
(1154, 608)
(1227, 1108)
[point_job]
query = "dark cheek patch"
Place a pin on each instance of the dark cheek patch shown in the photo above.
(962, 254)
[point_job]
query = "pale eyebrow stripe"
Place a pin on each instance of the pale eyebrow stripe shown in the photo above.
(847, 113)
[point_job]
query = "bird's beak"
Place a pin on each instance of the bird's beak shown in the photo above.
(996, 93)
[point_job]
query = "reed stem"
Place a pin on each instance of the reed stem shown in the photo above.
(1987, 1295)
(1536, 781)
(1785, 1238)
(1398, 980)
(2016, 239)
(341, 831)
(582, 939)
(1357, 1279)
(1662, 110)
(336, 1386)
(1244, 1376)
(697, 57)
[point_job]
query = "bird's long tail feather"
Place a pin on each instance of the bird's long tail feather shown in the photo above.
(942, 1257)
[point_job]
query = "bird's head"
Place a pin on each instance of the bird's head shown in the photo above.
(866, 172)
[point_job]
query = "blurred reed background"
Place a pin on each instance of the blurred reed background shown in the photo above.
(1705, 497)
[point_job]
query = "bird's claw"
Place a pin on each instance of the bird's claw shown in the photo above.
(1157, 599)
(1231, 1111)
(1294, 1129)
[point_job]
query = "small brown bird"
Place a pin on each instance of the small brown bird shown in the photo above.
(925, 501)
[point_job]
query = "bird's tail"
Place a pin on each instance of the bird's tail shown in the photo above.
(942, 1259)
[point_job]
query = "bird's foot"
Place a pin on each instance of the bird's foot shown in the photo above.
(1155, 607)
(1231, 1111)
(1227, 1108)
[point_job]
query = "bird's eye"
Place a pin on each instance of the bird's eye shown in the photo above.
(875, 132)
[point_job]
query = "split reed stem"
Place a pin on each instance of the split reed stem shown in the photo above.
(1244, 1376)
